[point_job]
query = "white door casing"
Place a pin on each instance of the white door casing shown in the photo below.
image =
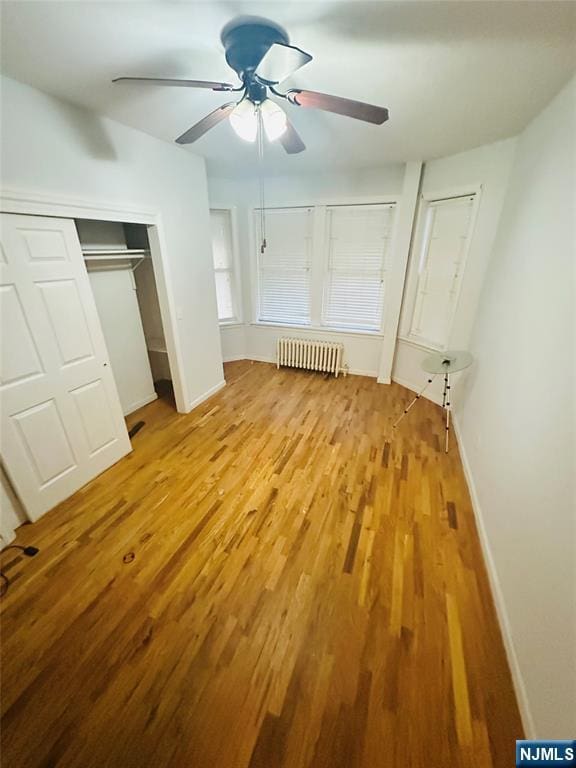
(61, 419)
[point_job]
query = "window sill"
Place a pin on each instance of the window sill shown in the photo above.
(319, 329)
(420, 344)
(230, 323)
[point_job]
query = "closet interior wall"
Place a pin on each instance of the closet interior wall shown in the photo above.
(137, 237)
(125, 294)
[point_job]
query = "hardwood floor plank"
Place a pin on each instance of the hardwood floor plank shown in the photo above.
(459, 680)
(304, 592)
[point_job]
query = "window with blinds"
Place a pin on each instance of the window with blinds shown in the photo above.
(284, 267)
(358, 258)
(222, 253)
(443, 247)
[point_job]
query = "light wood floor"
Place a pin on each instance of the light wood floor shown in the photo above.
(304, 592)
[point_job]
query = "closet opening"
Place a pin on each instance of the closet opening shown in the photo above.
(121, 273)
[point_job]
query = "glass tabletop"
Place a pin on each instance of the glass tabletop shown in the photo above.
(449, 361)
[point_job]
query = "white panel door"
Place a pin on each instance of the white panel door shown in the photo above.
(114, 292)
(61, 417)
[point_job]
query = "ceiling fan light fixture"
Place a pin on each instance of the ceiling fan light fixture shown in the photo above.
(258, 50)
(274, 119)
(244, 120)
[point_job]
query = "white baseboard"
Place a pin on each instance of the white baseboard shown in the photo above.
(260, 358)
(141, 403)
(360, 372)
(416, 388)
(233, 358)
(212, 391)
(499, 602)
(7, 537)
(266, 359)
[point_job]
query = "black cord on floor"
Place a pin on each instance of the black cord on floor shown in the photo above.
(28, 551)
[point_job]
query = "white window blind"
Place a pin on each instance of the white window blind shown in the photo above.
(358, 258)
(222, 253)
(284, 267)
(445, 236)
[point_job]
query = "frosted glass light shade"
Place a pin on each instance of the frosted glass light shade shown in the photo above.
(274, 119)
(244, 120)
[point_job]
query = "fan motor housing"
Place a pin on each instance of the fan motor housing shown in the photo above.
(247, 39)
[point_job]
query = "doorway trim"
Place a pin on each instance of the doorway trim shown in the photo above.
(41, 204)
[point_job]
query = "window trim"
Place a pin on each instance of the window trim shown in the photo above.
(319, 261)
(256, 259)
(411, 281)
(325, 244)
(319, 328)
(235, 269)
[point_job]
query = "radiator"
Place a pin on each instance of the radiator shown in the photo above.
(325, 356)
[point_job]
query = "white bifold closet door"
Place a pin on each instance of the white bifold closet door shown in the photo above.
(114, 292)
(62, 422)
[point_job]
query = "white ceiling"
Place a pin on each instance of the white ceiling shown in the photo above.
(454, 74)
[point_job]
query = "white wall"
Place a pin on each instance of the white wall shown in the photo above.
(517, 419)
(488, 166)
(56, 149)
(234, 342)
(255, 342)
(361, 352)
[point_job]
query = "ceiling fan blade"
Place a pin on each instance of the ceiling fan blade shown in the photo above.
(291, 140)
(356, 109)
(212, 85)
(279, 62)
(204, 125)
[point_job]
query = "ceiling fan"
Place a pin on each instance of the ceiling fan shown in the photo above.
(258, 50)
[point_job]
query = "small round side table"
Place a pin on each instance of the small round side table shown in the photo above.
(441, 363)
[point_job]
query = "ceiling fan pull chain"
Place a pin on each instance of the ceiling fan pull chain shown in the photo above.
(261, 182)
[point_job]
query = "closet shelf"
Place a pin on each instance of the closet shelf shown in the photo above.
(119, 253)
(138, 255)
